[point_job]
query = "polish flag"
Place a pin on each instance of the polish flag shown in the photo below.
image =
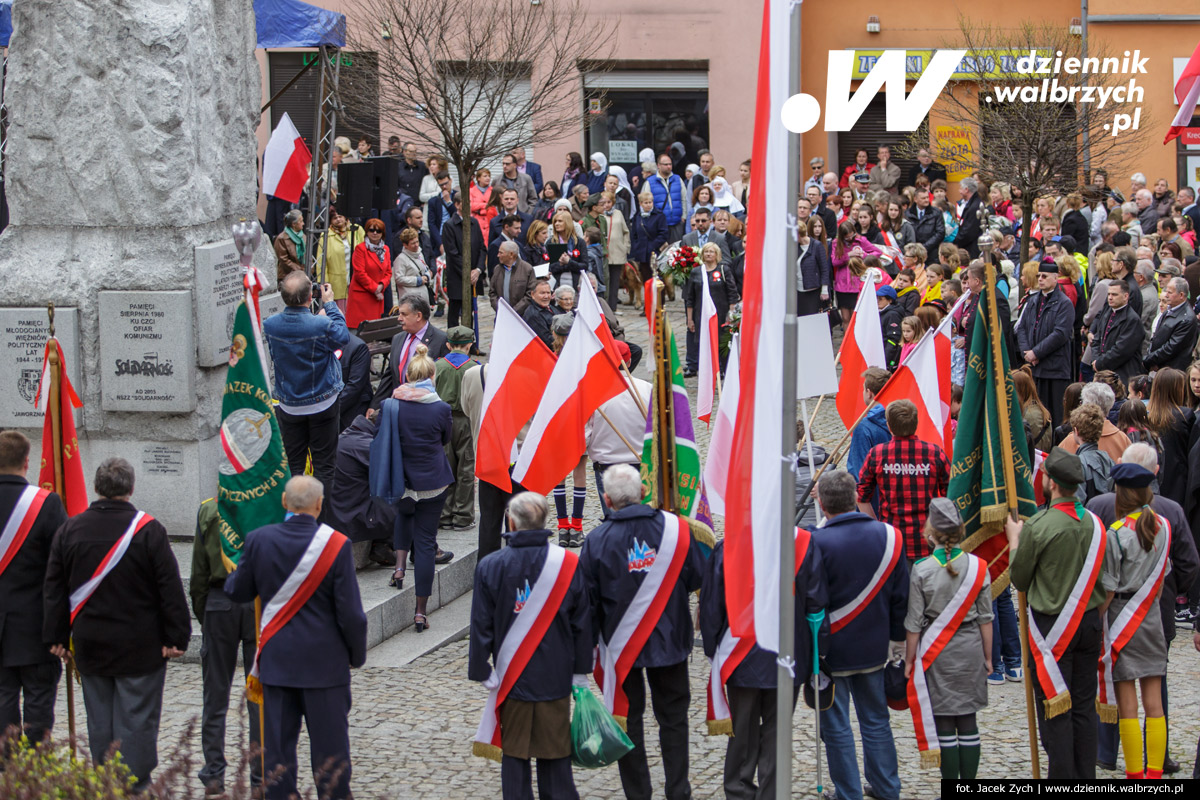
(862, 347)
(1187, 94)
(285, 162)
(650, 298)
(710, 356)
(752, 496)
(584, 378)
(517, 373)
(588, 307)
(925, 379)
(716, 468)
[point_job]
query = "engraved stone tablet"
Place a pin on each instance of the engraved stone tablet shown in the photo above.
(147, 351)
(218, 292)
(23, 333)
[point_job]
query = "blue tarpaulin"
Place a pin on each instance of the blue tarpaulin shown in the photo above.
(278, 23)
(291, 23)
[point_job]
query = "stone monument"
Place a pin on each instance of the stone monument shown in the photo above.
(131, 151)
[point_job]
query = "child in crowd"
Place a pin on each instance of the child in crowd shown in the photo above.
(912, 329)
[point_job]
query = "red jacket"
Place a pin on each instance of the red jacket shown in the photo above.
(849, 171)
(481, 209)
(367, 275)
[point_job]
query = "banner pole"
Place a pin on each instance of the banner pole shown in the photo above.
(262, 700)
(1023, 619)
(785, 663)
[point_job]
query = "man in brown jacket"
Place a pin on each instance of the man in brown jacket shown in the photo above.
(513, 279)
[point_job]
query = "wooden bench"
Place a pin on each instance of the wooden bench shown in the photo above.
(377, 334)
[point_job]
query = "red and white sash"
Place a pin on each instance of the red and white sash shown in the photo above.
(20, 522)
(1128, 621)
(111, 559)
(314, 565)
(891, 248)
(640, 618)
(933, 641)
(730, 653)
(1046, 650)
(894, 546)
(536, 612)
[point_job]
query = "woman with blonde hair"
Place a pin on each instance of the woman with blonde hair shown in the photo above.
(1033, 412)
(1000, 195)
(847, 283)
(573, 261)
(535, 243)
(948, 257)
(436, 164)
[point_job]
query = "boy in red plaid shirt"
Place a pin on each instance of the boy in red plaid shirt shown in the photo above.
(908, 474)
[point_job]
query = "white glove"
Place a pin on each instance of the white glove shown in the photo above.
(896, 651)
(579, 680)
(493, 681)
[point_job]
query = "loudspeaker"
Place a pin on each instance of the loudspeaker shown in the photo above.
(356, 187)
(385, 172)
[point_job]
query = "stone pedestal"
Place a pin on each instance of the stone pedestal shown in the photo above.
(127, 162)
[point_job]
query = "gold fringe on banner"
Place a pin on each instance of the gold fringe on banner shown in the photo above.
(1108, 713)
(931, 759)
(487, 750)
(993, 514)
(716, 727)
(622, 721)
(1058, 705)
(254, 690)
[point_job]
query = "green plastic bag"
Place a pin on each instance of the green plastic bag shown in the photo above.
(596, 738)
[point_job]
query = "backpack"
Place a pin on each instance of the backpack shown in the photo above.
(1097, 472)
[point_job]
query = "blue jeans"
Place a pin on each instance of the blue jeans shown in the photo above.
(879, 750)
(1006, 637)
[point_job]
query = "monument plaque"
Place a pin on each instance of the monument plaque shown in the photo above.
(218, 292)
(162, 459)
(146, 351)
(23, 333)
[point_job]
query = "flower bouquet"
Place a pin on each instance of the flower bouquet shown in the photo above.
(681, 265)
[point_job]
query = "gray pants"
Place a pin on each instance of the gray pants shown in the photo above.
(126, 711)
(460, 500)
(226, 626)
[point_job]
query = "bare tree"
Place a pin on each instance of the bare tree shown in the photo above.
(476, 80)
(1037, 143)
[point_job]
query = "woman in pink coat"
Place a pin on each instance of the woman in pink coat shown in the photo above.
(848, 244)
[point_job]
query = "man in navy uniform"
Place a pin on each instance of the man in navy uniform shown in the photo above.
(752, 723)
(617, 558)
(535, 715)
(305, 664)
(26, 667)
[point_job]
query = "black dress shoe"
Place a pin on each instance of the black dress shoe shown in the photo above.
(1105, 765)
(443, 557)
(1171, 766)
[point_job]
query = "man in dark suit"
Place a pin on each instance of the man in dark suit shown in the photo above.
(27, 670)
(928, 224)
(925, 166)
(355, 397)
(305, 666)
(970, 227)
(440, 209)
(509, 208)
(530, 168)
(1174, 332)
(512, 278)
(410, 171)
(124, 631)
(452, 233)
(1116, 335)
(1185, 198)
(702, 233)
(510, 231)
(414, 317)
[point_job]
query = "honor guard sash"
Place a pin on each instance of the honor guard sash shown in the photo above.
(20, 522)
(81, 595)
(894, 546)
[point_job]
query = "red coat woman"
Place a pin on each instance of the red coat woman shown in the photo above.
(370, 274)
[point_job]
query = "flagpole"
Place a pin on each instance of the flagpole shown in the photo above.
(55, 407)
(617, 431)
(786, 664)
(986, 243)
(631, 387)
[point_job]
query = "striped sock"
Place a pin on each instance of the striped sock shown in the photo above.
(949, 744)
(560, 503)
(577, 501)
(1156, 746)
(1131, 746)
(968, 754)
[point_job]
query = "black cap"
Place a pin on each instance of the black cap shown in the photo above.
(1064, 468)
(1067, 242)
(1048, 265)
(1135, 476)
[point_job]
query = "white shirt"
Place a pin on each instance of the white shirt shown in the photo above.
(604, 446)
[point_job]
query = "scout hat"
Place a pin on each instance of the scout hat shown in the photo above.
(460, 334)
(1134, 476)
(1064, 468)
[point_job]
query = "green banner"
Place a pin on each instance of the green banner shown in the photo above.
(977, 482)
(253, 467)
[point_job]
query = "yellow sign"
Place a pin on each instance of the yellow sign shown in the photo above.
(995, 64)
(954, 151)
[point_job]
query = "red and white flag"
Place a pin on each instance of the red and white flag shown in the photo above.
(650, 298)
(517, 373)
(710, 357)
(862, 347)
(752, 498)
(925, 379)
(716, 467)
(1187, 94)
(285, 162)
(584, 378)
(588, 307)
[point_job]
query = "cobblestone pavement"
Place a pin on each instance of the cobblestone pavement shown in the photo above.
(411, 726)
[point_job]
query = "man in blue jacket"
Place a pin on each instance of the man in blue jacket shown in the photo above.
(751, 686)
(669, 197)
(873, 429)
(535, 714)
(304, 666)
(308, 376)
(867, 577)
(617, 558)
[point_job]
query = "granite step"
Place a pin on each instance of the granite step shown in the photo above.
(449, 624)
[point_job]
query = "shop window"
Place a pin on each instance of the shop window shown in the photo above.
(623, 123)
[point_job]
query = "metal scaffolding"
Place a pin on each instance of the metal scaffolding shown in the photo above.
(329, 104)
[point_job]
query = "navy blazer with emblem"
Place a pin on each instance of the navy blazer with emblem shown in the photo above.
(612, 560)
(502, 582)
(328, 635)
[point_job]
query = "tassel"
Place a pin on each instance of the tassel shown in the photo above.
(624, 722)
(1059, 704)
(254, 690)
(1107, 712)
(486, 750)
(931, 759)
(716, 727)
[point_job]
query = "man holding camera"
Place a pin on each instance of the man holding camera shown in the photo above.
(308, 376)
